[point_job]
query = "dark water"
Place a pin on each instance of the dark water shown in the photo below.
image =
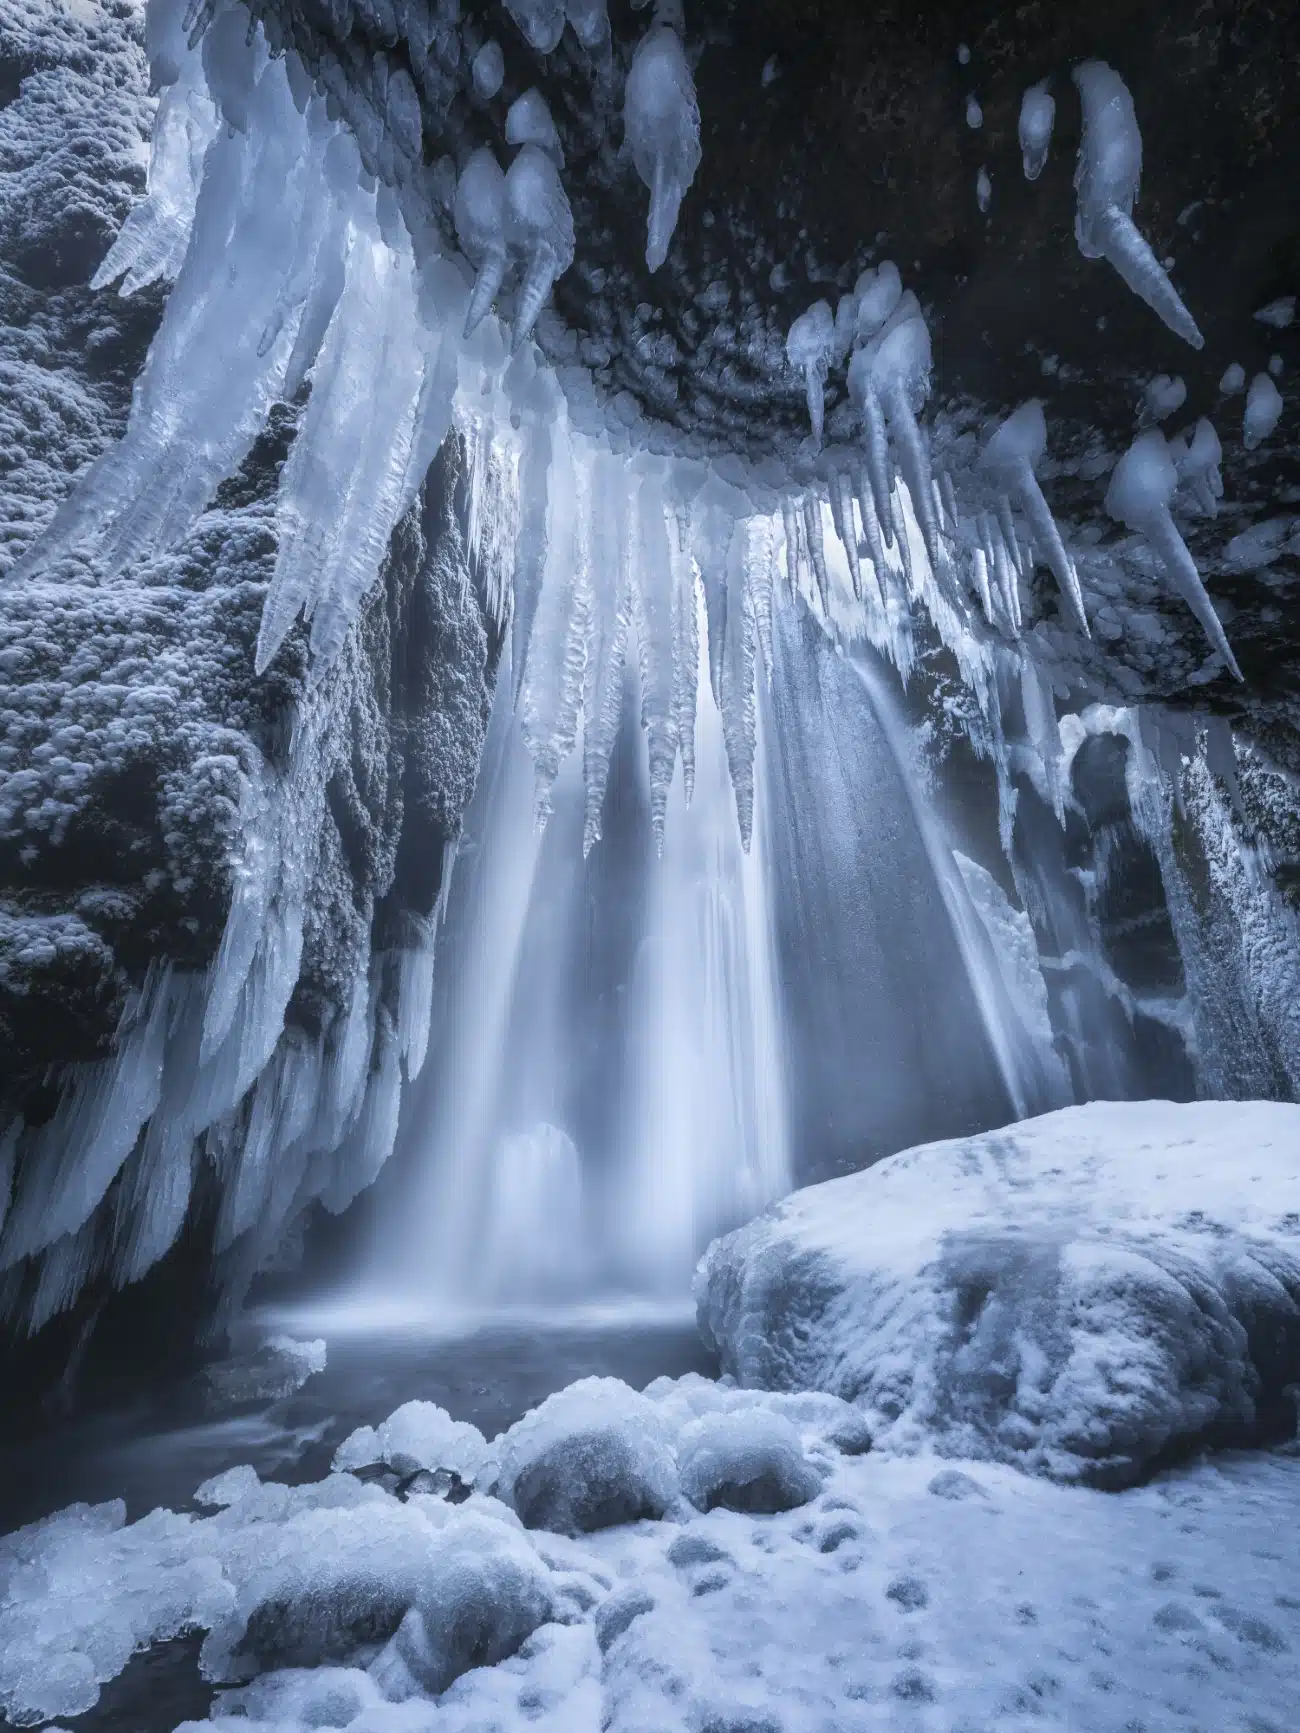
(158, 1450)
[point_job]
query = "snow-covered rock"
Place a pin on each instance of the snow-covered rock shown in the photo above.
(752, 1462)
(419, 1436)
(1075, 1294)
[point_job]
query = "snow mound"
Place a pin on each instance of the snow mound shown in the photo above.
(593, 1456)
(751, 1462)
(418, 1437)
(1073, 1295)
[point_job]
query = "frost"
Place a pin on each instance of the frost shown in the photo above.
(661, 122)
(418, 1437)
(747, 1461)
(1110, 168)
(1037, 118)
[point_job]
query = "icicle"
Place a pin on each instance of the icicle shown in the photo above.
(793, 526)
(539, 224)
(534, 471)
(875, 438)
(980, 567)
(590, 21)
(900, 373)
(603, 502)
(542, 22)
(737, 699)
(553, 679)
(842, 513)
(871, 530)
(878, 293)
(1110, 168)
(904, 543)
(949, 502)
(711, 534)
(1037, 118)
(1198, 467)
(480, 216)
(152, 241)
(661, 123)
(983, 189)
(1139, 496)
(812, 517)
(762, 577)
(488, 70)
(1012, 454)
(808, 348)
(658, 643)
(686, 662)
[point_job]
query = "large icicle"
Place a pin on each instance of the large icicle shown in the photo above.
(737, 699)
(661, 123)
(1110, 168)
(551, 698)
(1012, 454)
(686, 658)
(603, 501)
(808, 348)
(657, 641)
(539, 225)
(1139, 496)
(900, 376)
(1037, 117)
(480, 216)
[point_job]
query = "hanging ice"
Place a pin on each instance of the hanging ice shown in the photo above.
(1012, 455)
(542, 22)
(657, 640)
(590, 21)
(974, 114)
(488, 70)
(661, 123)
(480, 216)
(889, 378)
(808, 347)
(539, 225)
(1263, 411)
(529, 122)
(737, 699)
(1163, 395)
(1280, 314)
(983, 189)
(1198, 464)
(878, 293)
(1234, 380)
(1037, 118)
(1139, 496)
(603, 502)
(1107, 178)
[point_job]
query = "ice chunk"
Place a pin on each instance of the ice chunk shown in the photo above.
(983, 189)
(529, 122)
(592, 1456)
(1234, 380)
(1263, 411)
(808, 347)
(1107, 178)
(590, 21)
(878, 293)
(1163, 395)
(539, 225)
(751, 1461)
(542, 22)
(1037, 118)
(480, 216)
(1012, 453)
(974, 114)
(1280, 314)
(488, 70)
(1198, 467)
(1139, 496)
(661, 123)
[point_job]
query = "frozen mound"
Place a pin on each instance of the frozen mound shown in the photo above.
(418, 1439)
(751, 1462)
(1074, 1295)
(593, 1456)
(822, 1422)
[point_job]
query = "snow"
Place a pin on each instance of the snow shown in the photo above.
(419, 1436)
(1110, 167)
(752, 1462)
(1263, 411)
(1073, 1294)
(661, 123)
(1037, 118)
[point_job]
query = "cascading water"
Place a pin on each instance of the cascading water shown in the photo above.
(608, 1092)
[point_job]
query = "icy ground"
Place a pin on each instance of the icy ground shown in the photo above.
(908, 1592)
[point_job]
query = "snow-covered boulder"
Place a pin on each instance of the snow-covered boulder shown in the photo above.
(1074, 1294)
(419, 1437)
(752, 1462)
(593, 1456)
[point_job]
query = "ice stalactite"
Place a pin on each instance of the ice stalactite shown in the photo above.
(1198, 464)
(808, 349)
(1037, 118)
(488, 70)
(480, 217)
(1011, 454)
(1263, 411)
(661, 122)
(529, 121)
(541, 21)
(1110, 168)
(605, 504)
(1139, 496)
(737, 694)
(658, 644)
(539, 227)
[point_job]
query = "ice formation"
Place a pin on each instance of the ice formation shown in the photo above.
(528, 121)
(1280, 314)
(808, 347)
(480, 217)
(1110, 168)
(541, 21)
(1234, 380)
(1163, 395)
(1198, 464)
(1011, 455)
(974, 114)
(661, 123)
(1037, 118)
(1263, 411)
(539, 226)
(488, 70)
(1140, 493)
(983, 189)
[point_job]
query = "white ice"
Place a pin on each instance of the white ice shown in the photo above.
(1280, 314)
(1037, 118)
(1263, 411)
(661, 123)
(808, 347)
(1234, 380)
(539, 226)
(488, 70)
(529, 121)
(1163, 395)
